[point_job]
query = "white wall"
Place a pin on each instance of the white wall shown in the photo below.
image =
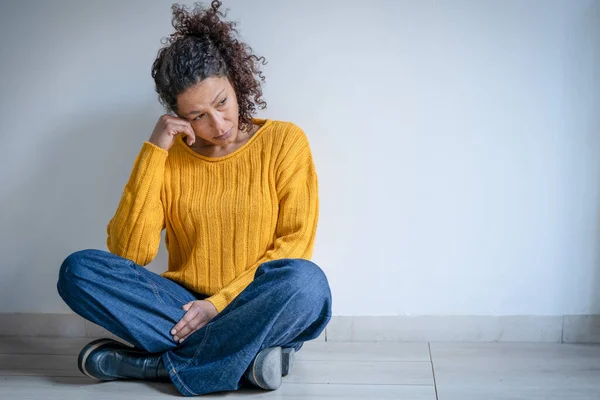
(457, 143)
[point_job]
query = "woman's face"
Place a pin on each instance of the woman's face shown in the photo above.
(211, 108)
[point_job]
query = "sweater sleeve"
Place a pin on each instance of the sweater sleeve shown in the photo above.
(134, 231)
(297, 190)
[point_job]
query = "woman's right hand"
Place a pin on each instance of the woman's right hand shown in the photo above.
(166, 130)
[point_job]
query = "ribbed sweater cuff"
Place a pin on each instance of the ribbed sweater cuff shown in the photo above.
(218, 301)
(154, 148)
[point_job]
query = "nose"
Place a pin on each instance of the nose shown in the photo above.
(218, 124)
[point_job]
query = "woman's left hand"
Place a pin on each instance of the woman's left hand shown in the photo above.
(199, 313)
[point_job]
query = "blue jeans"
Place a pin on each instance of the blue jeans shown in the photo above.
(287, 303)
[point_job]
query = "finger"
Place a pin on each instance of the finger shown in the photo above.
(183, 128)
(177, 336)
(191, 136)
(188, 329)
(178, 123)
(187, 318)
(199, 320)
(196, 329)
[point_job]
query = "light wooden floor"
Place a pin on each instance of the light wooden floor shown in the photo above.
(45, 368)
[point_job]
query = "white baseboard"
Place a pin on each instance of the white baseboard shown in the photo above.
(55, 325)
(447, 329)
(553, 329)
(581, 329)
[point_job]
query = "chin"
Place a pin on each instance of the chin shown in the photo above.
(234, 136)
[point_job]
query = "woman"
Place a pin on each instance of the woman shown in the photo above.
(238, 199)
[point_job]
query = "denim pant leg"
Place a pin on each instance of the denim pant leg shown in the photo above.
(126, 299)
(287, 303)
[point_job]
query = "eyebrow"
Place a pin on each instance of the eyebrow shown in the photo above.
(213, 102)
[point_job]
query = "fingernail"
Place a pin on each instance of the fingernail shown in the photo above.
(173, 331)
(176, 338)
(181, 341)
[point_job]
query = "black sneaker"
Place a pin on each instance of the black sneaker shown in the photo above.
(109, 360)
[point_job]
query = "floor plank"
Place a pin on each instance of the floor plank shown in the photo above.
(362, 372)
(516, 371)
(339, 351)
(139, 390)
(33, 364)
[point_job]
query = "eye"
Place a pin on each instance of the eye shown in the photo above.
(222, 102)
(198, 117)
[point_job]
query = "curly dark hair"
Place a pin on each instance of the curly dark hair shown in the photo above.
(204, 45)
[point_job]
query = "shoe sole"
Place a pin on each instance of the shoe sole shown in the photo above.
(270, 365)
(287, 360)
(87, 350)
(266, 369)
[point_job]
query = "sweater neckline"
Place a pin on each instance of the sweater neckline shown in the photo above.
(263, 124)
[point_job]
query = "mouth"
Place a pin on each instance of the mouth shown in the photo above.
(226, 135)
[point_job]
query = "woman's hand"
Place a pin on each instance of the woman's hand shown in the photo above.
(199, 313)
(167, 128)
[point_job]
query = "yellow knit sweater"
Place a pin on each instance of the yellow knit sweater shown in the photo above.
(224, 216)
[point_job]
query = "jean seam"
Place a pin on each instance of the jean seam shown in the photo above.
(155, 288)
(137, 273)
(200, 346)
(171, 294)
(178, 377)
